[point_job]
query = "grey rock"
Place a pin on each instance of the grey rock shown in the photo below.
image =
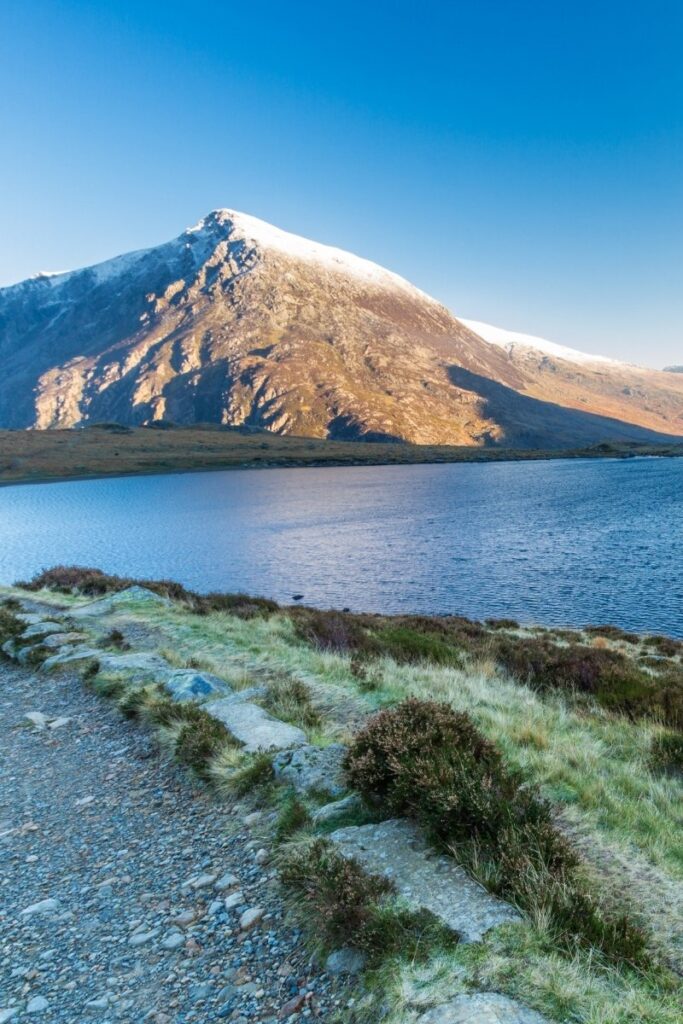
(172, 940)
(250, 918)
(49, 906)
(233, 900)
(142, 938)
(346, 961)
(43, 626)
(8, 1013)
(187, 684)
(136, 594)
(10, 649)
(226, 882)
(38, 1004)
(312, 768)
(396, 850)
(143, 666)
(55, 641)
(481, 1008)
(328, 812)
(254, 727)
(73, 656)
(37, 718)
(98, 1004)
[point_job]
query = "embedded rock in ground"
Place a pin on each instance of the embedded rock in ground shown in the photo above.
(40, 627)
(481, 1008)
(328, 812)
(74, 656)
(103, 606)
(312, 768)
(397, 851)
(187, 684)
(346, 961)
(137, 594)
(137, 667)
(253, 726)
(57, 640)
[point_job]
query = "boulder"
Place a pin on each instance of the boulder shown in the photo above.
(137, 594)
(312, 768)
(397, 850)
(253, 726)
(187, 684)
(482, 1008)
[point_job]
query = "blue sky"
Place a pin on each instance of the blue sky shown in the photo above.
(521, 161)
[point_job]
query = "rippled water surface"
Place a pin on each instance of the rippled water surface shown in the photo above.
(555, 542)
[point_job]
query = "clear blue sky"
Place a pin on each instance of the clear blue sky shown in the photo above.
(521, 161)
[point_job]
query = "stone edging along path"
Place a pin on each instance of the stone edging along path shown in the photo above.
(394, 850)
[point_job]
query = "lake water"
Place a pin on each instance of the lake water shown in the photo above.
(559, 542)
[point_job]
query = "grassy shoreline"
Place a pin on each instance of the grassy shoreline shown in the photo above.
(592, 761)
(111, 451)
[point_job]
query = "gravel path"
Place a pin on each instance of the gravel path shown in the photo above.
(146, 925)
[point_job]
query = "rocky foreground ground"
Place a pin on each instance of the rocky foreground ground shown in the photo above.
(128, 894)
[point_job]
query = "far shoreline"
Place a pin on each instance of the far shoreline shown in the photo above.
(97, 453)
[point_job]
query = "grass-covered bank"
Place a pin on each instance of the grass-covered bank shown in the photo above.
(33, 456)
(608, 771)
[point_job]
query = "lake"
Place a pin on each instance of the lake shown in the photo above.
(559, 542)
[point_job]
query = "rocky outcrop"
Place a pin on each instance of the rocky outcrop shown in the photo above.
(253, 727)
(481, 1008)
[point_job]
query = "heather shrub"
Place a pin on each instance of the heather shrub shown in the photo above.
(10, 626)
(425, 760)
(341, 632)
(346, 906)
(614, 681)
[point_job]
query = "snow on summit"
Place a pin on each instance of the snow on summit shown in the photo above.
(510, 339)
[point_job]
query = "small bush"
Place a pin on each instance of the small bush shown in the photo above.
(410, 645)
(502, 623)
(612, 633)
(115, 638)
(341, 632)
(10, 626)
(11, 604)
(239, 773)
(290, 700)
(240, 605)
(293, 816)
(614, 681)
(666, 752)
(199, 740)
(664, 645)
(346, 906)
(427, 761)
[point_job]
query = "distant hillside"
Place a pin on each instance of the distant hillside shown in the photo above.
(237, 323)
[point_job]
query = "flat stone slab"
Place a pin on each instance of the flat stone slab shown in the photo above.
(57, 640)
(187, 684)
(397, 850)
(481, 1008)
(72, 656)
(253, 726)
(142, 666)
(42, 626)
(329, 812)
(312, 768)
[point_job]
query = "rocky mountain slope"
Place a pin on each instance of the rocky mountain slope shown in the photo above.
(236, 322)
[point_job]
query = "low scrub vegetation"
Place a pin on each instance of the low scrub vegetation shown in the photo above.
(666, 752)
(349, 907)
(10, 626)
(74, 579)
(425, 760)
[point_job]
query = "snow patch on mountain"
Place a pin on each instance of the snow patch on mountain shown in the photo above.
(514, 339)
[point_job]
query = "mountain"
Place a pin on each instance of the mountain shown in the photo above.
(237, 322)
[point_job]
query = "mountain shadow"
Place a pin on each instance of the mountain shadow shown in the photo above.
(532, 423)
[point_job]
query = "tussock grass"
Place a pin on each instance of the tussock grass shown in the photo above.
(235, 772)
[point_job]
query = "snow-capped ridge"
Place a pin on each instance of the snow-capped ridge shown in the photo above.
(507, 339)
